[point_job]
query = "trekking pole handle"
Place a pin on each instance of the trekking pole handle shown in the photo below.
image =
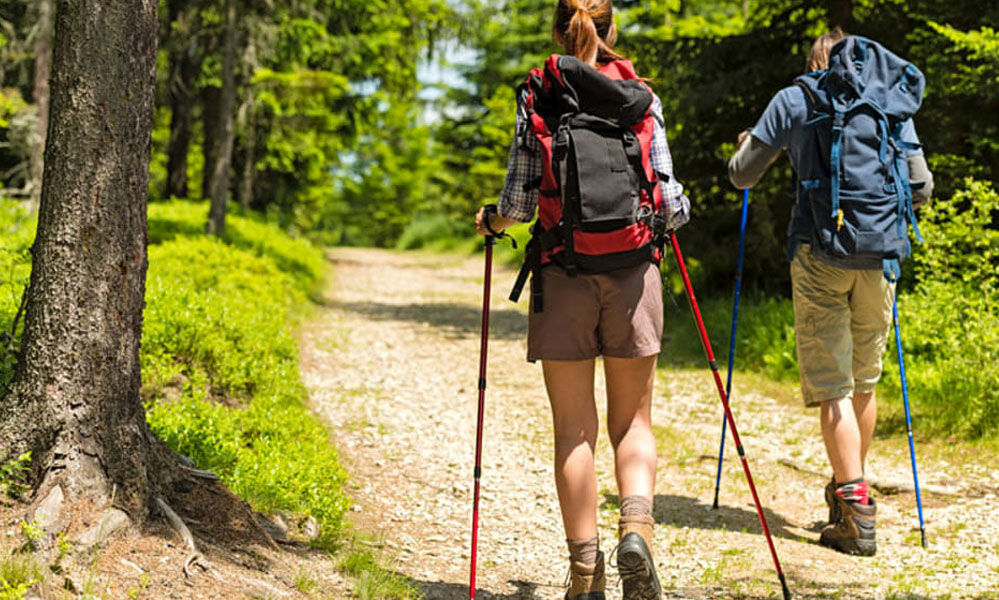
(492, 209)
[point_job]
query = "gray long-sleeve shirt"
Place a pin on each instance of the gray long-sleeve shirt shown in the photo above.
(782, 126)
(754, 157)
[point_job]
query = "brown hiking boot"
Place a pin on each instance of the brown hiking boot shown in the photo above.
(834, 511)
(634, 559)
(586, 582)
(853, 532)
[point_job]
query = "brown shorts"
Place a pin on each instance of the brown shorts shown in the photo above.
(618, 313)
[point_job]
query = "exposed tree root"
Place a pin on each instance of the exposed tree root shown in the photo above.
(194, 558)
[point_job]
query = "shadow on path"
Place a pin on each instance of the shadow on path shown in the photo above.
(440, 590)
(682, 511)
(526, 590)
(454, 320)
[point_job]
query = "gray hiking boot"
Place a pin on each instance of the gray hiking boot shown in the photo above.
(634, 559)
(854, 531)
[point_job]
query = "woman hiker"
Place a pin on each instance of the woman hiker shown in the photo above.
(587, 300)
(843, 295)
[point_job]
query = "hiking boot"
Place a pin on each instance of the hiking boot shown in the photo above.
(634, 559)
(853, 532)
(586, 582)
(834, 511)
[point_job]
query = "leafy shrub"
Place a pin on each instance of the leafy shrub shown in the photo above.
(247, 231)
(219, 314)
(219, 357)
(950, 323)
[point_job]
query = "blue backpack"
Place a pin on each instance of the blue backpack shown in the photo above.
(854, 201)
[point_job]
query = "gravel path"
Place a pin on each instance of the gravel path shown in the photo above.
(391, 362)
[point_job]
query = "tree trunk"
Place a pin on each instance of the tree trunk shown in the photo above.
(219, 183)
(840, 14)
(211, 119)
(249, 154)
(74, 402)
(184, 68)
(43, 69)
(745, 9)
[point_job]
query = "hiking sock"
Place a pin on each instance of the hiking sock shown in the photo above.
(584, 551)
(636, 506)
(854, 491)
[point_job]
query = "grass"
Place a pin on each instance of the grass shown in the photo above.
(19, 571)
(373, 580)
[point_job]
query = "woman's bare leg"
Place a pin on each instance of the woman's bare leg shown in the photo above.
(629, 423)
(574, 413)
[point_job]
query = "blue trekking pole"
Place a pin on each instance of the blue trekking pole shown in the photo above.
(731, 343)
(908, 418)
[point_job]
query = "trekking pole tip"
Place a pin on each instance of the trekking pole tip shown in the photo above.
(922, 535)
(783, 584)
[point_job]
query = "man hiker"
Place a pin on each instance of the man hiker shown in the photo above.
(859, 171)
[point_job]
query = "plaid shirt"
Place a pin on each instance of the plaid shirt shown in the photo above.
(525, 166)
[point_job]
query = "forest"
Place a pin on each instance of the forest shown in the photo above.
(280, 130)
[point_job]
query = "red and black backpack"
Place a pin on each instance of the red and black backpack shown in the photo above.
(599, 205)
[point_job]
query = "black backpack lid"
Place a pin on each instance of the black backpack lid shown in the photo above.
(622, 101)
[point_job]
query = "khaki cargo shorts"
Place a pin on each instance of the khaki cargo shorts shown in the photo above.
(841, 323)
(618, 313)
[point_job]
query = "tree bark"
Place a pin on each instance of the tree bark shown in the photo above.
(840, 14)
(74, 402)
(43, 70)
(211, 119)
(219, 182)
(249, 153)
(184, 68)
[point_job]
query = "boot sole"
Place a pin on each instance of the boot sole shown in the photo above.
(853, 547)
(636, 559)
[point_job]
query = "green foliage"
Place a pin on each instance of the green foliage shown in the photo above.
(764, 340)
(244, 230)
(13, 475)
(960, 242)
(198, 319)
(301, 136)
(17, 232)
(11, 103)
(950, 323)
(388, 179)
(221, 365)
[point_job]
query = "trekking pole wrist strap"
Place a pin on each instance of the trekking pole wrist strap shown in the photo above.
(488, 211)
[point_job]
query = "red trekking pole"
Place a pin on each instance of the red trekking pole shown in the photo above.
(489, 243)
(728, 412)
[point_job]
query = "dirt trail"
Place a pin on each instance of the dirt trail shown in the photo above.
(391, 364)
